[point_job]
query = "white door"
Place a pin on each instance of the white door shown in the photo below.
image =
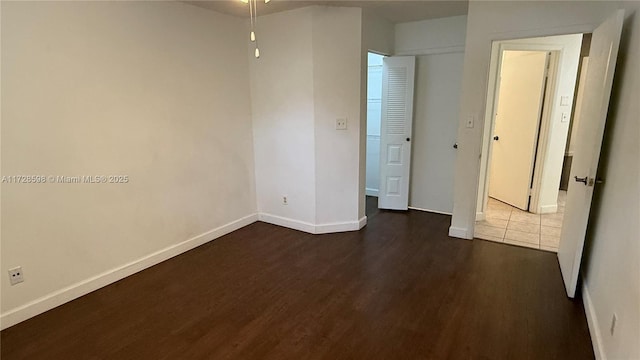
(515, 134)
(398, 75)
(595, 104)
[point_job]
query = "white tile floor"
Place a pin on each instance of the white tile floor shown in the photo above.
(507, 224)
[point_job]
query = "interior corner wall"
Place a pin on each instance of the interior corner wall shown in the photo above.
(612, 254)
(377, 35)
(118, 88)
(308, 75)
(282, 104)
(336, 94)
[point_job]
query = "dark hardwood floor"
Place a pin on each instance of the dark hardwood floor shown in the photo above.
(398, 289)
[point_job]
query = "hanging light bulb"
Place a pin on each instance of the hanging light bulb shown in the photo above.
(257, 53)
(253, 36)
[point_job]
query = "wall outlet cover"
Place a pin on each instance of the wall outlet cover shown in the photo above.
(15, 275)
(341, 124)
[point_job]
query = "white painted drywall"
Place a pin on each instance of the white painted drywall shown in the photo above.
(308, 76)
(145, 89)
(431, 36)
(282, 104)
(437, 95)
(378, 35)
(374, 112)
(612, 269)
(336, 93)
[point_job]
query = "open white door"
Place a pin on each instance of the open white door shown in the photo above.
(515, 135)
(595, 104)
(398, 74)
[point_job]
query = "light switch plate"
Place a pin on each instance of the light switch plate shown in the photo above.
(341, 124)
(564, 101)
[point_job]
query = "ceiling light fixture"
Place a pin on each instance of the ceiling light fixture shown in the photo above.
(253, 16)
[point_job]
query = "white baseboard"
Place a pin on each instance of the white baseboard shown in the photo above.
(287, 222)
(372, 192)
(480, 216)
(461, 233)
(313, 228)
(84, 287)
(362, 223)
(431, 211)
(592, 321)
(549, 209)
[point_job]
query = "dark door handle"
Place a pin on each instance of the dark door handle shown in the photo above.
(455, 146)
(582, 180)
(496, 138)
(408, 139)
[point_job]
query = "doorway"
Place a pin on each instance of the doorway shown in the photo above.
(374, 117)
(534, 82)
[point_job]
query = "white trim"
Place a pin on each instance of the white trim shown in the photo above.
(549, 209)
(287, 222)
(362, 222)
(340, 226)
(592, 321)
(84, 287)
(431, 211)
(372, 192)
(480, 216)
(460, 233)
(432, 51)
(313, 228)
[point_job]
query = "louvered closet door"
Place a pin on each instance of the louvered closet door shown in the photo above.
(395, 131)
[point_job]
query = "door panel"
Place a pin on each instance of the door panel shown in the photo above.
(395, 138)
(515, 135)
(593, 115)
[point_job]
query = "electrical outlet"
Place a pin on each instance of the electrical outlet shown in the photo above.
(614, 320)
(341, 124)
(285, 201)
(15, 275)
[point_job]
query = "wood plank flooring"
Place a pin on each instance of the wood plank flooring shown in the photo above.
(398, 289)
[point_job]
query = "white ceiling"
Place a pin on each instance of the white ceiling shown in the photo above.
(395, 11)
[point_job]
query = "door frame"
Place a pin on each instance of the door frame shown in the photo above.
(497, 49)
(363, 126)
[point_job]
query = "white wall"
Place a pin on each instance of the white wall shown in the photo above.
(378, 35)
(336, 87)
(439, 44)
(444, 35)
(612, 273)
(132, 88)
(282, 104)
(308, 76)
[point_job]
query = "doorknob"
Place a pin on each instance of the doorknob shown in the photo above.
(408, 139)
(496, 138)
(582, 180)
